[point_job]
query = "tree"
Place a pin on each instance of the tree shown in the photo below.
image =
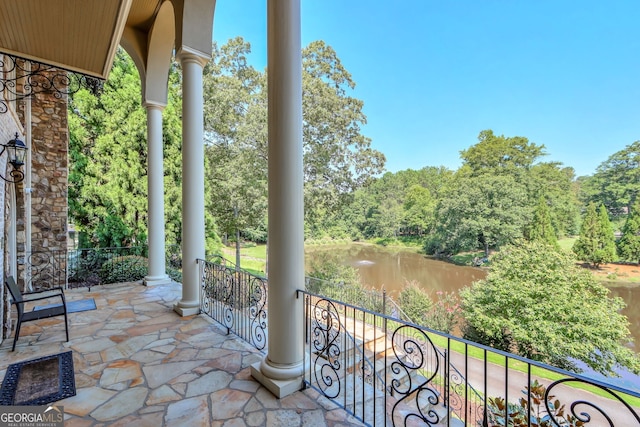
(557, 184)
(486, 211)
(629, 243)
(596, 243)
(108, 167)
(616, 183)
(338, 159)
(540, 228)
(387, 218)
(109, 191)
(537, 302)
(500, 153)
(419, 208)
(493, 197)
(236, 185)
(416, 303)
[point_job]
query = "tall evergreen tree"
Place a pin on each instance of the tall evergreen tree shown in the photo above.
(608, 238)
(108, 167)
(596, 243)
(629, 243)
(540, 228)
(616, 183)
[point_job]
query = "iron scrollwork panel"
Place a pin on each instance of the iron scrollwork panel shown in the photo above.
(47, 269)
(258, 312)
(583, 412)
(237, 300)
(217, 293)
(415, 366)
(326, 350)
(22, 78)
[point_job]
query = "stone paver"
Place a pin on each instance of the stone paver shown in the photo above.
(137, 363)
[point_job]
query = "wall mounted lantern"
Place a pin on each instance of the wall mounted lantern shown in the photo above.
(16, 150)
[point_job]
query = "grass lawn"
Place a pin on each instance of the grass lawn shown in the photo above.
(498, 359)
(258, 251)
(466, 258)
(567, 243)
(252, 258)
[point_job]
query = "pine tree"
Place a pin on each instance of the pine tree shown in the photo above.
(596, 243)
(608, 250)
(629, 243)
(541, 228)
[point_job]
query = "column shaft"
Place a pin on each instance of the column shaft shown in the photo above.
(193, 237)
(286, 204)
(155, 189)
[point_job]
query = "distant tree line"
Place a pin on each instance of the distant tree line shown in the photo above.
(503, 191)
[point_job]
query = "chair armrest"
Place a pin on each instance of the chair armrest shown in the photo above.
(24, 301)
(53, 293)
(56, 288)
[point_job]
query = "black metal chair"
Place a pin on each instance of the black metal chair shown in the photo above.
(20, 300)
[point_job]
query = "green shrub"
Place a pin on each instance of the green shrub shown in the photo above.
(124, 269)
(174, 274)
(445, 312)
(84, 265)
(415, 303)
(538, 303)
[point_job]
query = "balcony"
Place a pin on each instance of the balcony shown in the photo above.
(137, 360)
(138, 363)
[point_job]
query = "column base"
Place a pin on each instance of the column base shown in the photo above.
(279, 388)
(156, 280)
(186, 311)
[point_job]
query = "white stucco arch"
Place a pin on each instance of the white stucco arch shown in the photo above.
(134, 42)
(160, 48)
(152, 52)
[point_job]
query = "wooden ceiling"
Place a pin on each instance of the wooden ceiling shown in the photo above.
(79, 35)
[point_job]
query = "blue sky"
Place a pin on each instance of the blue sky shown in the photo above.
(434, 73)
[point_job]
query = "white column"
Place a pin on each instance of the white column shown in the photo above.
(193, 239)
(281, 370)
(155, 189)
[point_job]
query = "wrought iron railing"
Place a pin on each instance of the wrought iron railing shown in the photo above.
(236, 299)
(44, 269)
(388, 371)
(92, 266)
(371, 299)
(419, 386)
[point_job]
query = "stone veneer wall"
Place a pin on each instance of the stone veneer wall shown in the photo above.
(49, 184)
(49, 177)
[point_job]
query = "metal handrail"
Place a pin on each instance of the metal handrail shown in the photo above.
(409, 355)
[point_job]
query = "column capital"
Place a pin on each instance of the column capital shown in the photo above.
(186, 54)
(149, 105)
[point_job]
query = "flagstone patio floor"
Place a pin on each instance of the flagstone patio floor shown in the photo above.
(138, 363)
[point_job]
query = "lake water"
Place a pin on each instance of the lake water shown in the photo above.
(389, 268)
